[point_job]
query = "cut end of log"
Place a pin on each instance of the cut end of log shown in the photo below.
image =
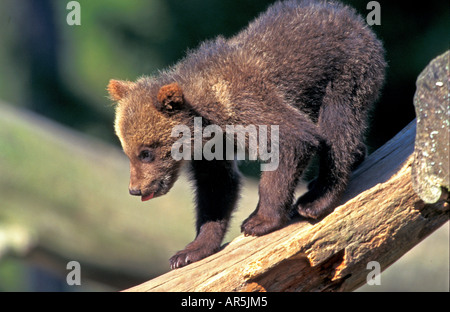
(431, 178)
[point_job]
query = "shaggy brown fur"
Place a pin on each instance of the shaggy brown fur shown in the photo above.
(312, 68)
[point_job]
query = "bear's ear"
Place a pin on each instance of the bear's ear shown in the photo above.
(170, 97)
(118, 89)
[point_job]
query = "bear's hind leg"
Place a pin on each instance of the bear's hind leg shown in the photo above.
(341, 122)
(359, 156)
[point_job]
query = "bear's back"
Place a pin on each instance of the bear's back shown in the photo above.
(295, 49)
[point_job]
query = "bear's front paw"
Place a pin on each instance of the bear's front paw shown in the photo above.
(258, 225)
(192, 253)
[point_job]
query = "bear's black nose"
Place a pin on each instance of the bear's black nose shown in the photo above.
(135, 192)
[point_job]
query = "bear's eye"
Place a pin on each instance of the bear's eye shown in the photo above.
(146, 156)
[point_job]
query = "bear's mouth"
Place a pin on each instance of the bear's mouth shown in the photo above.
(156, 189)
(147, 197)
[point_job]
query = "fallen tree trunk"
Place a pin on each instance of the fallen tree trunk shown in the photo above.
(382, 218)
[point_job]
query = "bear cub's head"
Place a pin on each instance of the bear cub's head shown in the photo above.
(146, 113)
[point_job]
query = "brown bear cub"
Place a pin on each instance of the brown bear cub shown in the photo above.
(311, 68)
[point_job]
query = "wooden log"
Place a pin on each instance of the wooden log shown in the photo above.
(382, 218)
